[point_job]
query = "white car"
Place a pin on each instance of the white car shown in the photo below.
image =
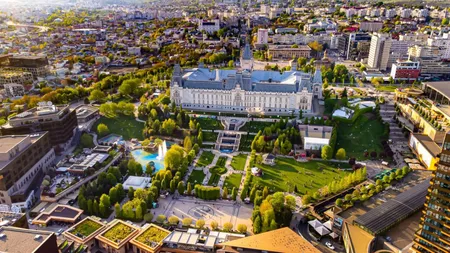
(60, 231)
(329, 245)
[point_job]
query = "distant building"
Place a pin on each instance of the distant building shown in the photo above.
(137, 182)
(36, 65)
(289, 53)
(405, 70)
(380, 47)
(14, 90)
(209, 26)
(134, 50)
(263, 36)
(24, 159)
(59, 121)
(15, 76)
(61, 214)
(370, 26)
(87, 239)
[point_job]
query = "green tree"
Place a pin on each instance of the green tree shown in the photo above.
(131, 193)
(95, 207)
(96, 95)
(186, 221)
(257, 225)
(225, 193)
(87, 140)
(339, 202)
(189, 188)
(173, 220)
(89, 207)
(228, 227)
(117, 210)
(214, 225)
(160, 218)
(341, 154)
(181, 187)
(200, 223)
(129, 86)
(148, 217)
(168, 126)
(105, 200)
(234, 193)
(102, 129)
(187, 143)
(445, 21)
(327, 152)
(230, 63)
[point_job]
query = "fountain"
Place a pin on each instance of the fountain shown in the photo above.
(162, 150)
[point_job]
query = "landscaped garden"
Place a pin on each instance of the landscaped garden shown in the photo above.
(238, 162)
(217, 171)
(210, 136)
(255, 126)
(152, 236)
(86, 228)
(233, 180)
(118, 232)
(309, 176)
(127, 126)
(364, 135)
(196, 177)
(205, 159)
(209, 123)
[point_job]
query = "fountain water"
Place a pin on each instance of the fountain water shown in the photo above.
(162, 150)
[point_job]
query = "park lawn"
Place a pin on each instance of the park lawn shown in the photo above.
(246, 142)
(205, 159)
(307, 176)
(221, 161)
(126, 126)
(196, 177)
(255, 126)
(209, 123)
(217, 171)
(365, 134)
(214, 180)
(210, 136)
(233, 180)
(238, 162)
(389, 88)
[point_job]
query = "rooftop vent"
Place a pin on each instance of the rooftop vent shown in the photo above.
(38, 237)
(2, 236)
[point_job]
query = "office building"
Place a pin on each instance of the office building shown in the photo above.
(60, 122)
(433, 235)
(370, 26)
(23, 161)
(209, 26)
(289, 53)
(14, 90)
(380, 46)
(15, 76)
(315, 137)
(405, 70)
(36, 65)
(263, 36)
(354, 46)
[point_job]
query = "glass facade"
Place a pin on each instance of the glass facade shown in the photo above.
(434, 233)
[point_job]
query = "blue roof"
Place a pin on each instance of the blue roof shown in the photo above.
(247, 55)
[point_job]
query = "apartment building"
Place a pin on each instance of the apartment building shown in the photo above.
(36, 65)
(433, 234)
(23, 161)
(27, 240)
(209, 26)
(59, 121)
(14, 90)
(263, 36)
(15, 76)
(380, 47)
(370, 26)
(288, 53)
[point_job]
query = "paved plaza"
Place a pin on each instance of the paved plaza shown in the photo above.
(221, 211)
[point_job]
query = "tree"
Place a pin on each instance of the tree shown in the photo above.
(95, 207)
(257, 225)
(148, 217)
(228, 226)
(117, 210)
(186, 221)
(242, 228)
(181, 187)
(340, 154)
(273, 225)
(327, 152)
(214, 225)
(173, 220)
(290, 202)
(234, 194)
(277, 201)
(87, 140)
(187, 143)
(160, 218)
(174, 157)
(189, 188)
(200, 223)
(139, 213)
(172, 186)
(231, 64)
(265, 192)
(225, 193)
(306, 199)
(168, 126)
(131, 193)
(339, 202)
(89, 206)
(445, 21)
(105, 200)
(96, 95)
(102, 129)
(129, 86)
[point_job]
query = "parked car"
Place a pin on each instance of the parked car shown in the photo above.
(329, 245)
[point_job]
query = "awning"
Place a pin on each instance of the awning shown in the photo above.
(334, 235)
(315, 223)
(322, 230)
(328, 225)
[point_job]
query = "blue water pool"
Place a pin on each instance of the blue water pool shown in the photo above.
(144, 158)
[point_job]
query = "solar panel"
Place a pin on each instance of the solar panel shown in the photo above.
(387, 214)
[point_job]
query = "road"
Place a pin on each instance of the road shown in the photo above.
(41, 28)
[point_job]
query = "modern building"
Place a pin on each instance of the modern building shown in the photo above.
(247, 91)
(115, 237)
(20, 240)
(79, 234)
(405, 70)
(426, 150)
(24, 160)
(289, 53)
(137, 182)
(380, 47)
(14, 90)
(60, 122)
(315, 137)
(353, 46)
(60, 213)
(15, 76)
(150, 239)
(209, 26)
(433, 235)
(263, 36)
(36, 65)
(86, 113)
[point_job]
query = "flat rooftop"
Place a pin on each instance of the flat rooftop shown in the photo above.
(62, 213)
(428, 143)
(441, 87)
(20, 240)
(8, 142)
(84, 230)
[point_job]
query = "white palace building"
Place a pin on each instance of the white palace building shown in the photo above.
(247, 90)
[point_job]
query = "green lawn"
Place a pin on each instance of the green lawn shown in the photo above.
(217, 171)
(209, 124)
(246, 142)
(205, 159)
(210, 136)
(127, 126)
(221, 161)
(255, 126)
(233, 180)
(196, 177)
(86, 228)
(238, 162)
(389, 88)
(365, 134)
(307, 176)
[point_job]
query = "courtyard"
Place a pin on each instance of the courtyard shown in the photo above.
(126, 126)
(221, 211)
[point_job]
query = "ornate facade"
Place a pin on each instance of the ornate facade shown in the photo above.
(246, 90)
